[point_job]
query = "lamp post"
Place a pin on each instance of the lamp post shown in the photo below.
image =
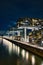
(25, 33)
(13, 33)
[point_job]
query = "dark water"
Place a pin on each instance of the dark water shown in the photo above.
(14, 55)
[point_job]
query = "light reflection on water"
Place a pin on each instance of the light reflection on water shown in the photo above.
(8, 44)
(42, 63)
(27, 55)
(13, 47)
(22, 57)
(18, 50)
(23, 53)
(33, 60)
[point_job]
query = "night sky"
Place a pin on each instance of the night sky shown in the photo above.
(11, 10)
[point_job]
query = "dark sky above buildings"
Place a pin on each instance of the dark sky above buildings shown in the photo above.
(11, 10)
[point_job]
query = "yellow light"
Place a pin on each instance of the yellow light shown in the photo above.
(8, 44)
(27, 55)
(23, 53)
(13, 47)
(18, 50)
(33, 60)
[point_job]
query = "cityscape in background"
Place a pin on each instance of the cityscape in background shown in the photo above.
(28, 30)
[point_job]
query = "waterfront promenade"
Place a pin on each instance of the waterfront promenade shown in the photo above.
(38, 50)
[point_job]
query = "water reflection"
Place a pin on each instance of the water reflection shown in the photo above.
(42, 63)
(23, 53)
(11, 54)
(14, 47)
(33, 60)
(27, 55)
(18, 50)
(8, 45)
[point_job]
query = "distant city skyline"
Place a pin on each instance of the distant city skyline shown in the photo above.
(10, 11)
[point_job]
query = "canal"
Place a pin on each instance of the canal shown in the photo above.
(11, 54)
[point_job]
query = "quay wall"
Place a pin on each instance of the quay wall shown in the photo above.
(27, 46)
